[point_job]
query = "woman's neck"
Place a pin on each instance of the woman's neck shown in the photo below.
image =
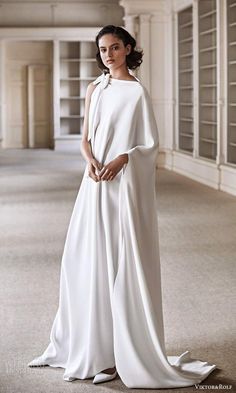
(121, 73)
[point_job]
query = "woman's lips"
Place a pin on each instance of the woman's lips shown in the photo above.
(110, 61)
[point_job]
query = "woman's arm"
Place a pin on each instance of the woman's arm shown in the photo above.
(85, 146)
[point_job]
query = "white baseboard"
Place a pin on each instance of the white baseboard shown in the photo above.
(228, 179)
(67, 143)
(221, 177)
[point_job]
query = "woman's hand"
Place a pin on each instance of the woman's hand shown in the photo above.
(110, 170)
(94, 165)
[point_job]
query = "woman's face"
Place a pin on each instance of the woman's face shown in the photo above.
(113, 52)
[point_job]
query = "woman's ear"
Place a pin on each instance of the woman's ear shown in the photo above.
(128, 49)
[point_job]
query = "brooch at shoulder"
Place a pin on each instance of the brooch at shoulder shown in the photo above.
(103, 79)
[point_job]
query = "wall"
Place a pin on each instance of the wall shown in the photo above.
(28, 94)
(59, 13)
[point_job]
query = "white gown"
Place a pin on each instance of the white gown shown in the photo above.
(110, 304)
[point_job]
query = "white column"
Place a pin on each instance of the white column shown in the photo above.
(145, 43)
(2, 93)
(130, 23)
(176, 82)
(162, 56)
(195, 81)
(56, 88)
(221, 82)
(1, 89)
(168, 24)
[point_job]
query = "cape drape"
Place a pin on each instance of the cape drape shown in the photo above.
(110, 307)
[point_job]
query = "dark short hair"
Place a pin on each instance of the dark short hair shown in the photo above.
(133, 60)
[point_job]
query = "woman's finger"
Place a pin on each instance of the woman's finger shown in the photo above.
(105, 174)
(102, 171)
(98, 166)
(92, 176)
(110, 176)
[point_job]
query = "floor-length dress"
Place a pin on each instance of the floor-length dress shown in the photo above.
(110, 304)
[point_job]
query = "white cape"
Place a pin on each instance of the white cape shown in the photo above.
(110, 305)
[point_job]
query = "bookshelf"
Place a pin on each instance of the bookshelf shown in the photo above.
(231, 62)
(185, 79)
(207, 33)
(77, 68)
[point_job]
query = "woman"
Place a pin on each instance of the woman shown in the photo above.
(110, 317)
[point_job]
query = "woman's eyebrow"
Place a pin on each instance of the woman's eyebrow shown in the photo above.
(103, 47)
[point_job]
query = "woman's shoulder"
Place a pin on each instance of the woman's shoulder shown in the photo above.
(90, 88)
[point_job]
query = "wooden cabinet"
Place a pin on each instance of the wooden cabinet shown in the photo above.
(206, 92)
(207, 79)
(78, 68)
(185, 79)
(206, 75)
(199, 130)
(74, 67)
